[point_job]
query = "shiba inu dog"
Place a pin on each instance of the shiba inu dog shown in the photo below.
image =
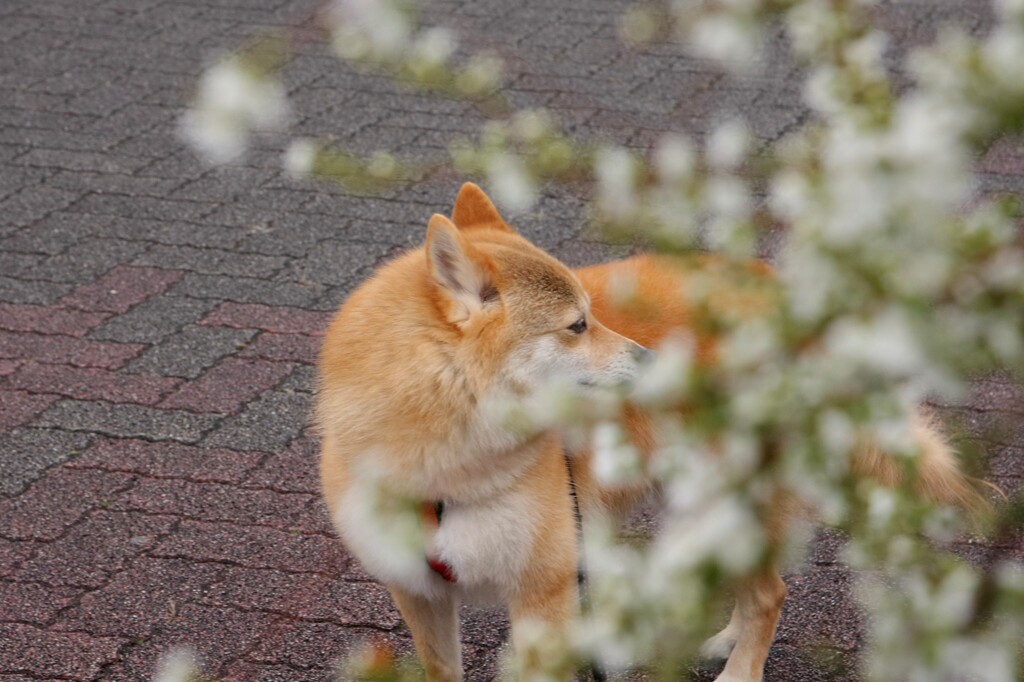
(429, 488)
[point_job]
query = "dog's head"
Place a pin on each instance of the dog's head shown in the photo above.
(521, 316)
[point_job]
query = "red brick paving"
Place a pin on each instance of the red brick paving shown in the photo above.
(21, 406)
(268, 318)
(168, 459)
(126, 265)
(93, 383)
(48, 319)
(66, 349)
(121, 289)
(229, 385)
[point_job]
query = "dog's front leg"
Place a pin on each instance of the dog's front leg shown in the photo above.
(540, 621)
(758, 604)
(435, 632)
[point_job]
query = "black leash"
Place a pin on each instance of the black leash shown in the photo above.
(592, 668)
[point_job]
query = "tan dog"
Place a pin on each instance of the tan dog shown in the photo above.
(432, 492)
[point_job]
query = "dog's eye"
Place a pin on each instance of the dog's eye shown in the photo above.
(579, 326)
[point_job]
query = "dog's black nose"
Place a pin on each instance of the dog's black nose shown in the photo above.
(643, 356)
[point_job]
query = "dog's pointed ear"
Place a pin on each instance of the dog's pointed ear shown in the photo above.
(474, 209)
(461, 273)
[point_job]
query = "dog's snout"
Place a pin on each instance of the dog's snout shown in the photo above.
(642, 356)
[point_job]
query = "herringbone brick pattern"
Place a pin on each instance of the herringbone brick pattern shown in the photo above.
(159, 320)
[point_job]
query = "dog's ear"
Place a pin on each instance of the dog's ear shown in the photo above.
(474, 209)
(461, 272)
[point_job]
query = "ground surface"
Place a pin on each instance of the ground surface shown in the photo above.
(158, 321)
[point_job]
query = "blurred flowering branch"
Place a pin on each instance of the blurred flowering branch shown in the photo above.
(897, 281)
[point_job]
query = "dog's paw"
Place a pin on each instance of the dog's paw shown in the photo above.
(718, 647)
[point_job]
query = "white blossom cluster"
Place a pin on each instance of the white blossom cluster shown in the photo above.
(895, 282)
(384, 34)
(234, 99)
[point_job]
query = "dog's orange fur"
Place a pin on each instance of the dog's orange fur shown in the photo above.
(413, 350)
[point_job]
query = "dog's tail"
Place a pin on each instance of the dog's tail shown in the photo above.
(939, 477)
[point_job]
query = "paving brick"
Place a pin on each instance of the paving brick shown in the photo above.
(20, 265)
(85, 261)
(14, 290)
(82, 160)
(27, 452)
(302, 380)
(305, 596)
(282, 320)
(294, 468)
(113, 183)
(13, 553)
(251, 671)
(227, 386)
(20, 407)
(191, 351)
(254, 547)
(821, 608)
(34, 603)
(215, 502)
(308, 645)
(48, 319)
(107, 539)
(216, 636)
(56, 501)
(33, 203)
(68, 655)
(269, 423)
(66, 350)
(168, 459)
(336, 262)
(145, 595)
(121, 289)
(143, 207)
(284, 348)
(9, 367)
(51, 235)
(153, 321)
(93, 383)
(131, 421)
(248, 290)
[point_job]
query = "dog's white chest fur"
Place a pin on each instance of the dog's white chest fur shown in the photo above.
(487, 543)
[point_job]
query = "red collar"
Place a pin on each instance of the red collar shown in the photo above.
(430, 514)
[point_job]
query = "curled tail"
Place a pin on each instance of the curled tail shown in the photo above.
(940, 477)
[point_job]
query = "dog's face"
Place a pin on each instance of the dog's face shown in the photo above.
(524, 319)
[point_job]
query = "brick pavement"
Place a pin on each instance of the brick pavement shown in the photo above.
(158, 321)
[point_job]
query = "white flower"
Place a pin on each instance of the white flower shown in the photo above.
(382, 24)
(731, 40)
(232, 101)
(531, 125)
(674, 158)
(300, 157)
(511, 183)
(790, 194)
(1012, 10)
(615, 170)
(177, 666)
(728, 197)
(664, 381)
(884, 342)
(219, 138)
(434, 46)
(616, 461)
(728, 144)
(1003, 53)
